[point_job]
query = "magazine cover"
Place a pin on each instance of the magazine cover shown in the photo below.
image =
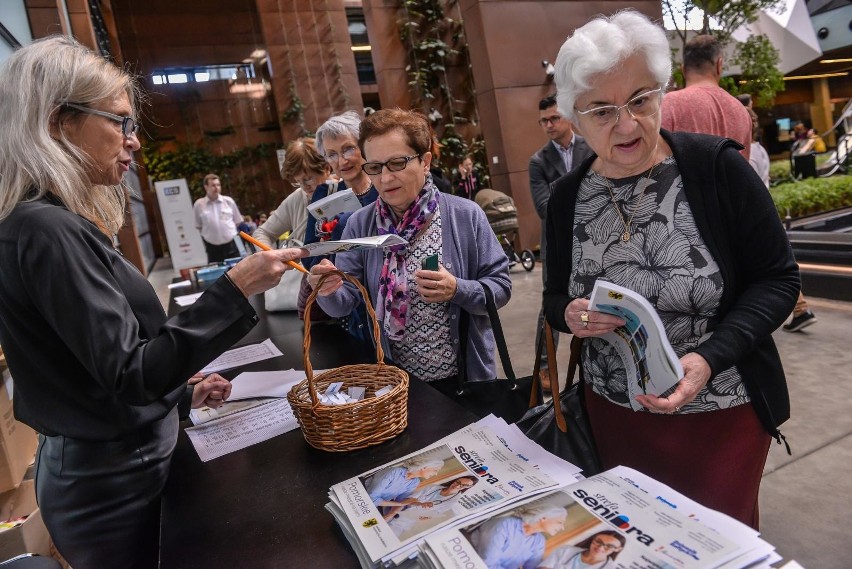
(468, 473)
(649, 360)
(605, 521)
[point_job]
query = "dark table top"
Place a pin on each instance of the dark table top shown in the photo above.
(262, 507)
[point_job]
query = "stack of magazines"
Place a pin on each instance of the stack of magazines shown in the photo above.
(486, 497)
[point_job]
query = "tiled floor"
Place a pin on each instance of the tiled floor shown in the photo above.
(805, 498)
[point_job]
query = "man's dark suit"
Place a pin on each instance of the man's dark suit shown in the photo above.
(547, 166)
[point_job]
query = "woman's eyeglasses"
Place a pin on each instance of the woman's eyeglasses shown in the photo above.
(605, 545)
(641, 106)
(393, 165)
(129, 126)
(305, 183)
(347, 153)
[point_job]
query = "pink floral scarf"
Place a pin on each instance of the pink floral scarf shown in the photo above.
(392, 303)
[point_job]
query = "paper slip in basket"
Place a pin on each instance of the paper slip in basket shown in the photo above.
(339, 202)
(330, 247)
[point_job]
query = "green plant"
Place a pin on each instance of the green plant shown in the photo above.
(435, 43)
(244, 172)
(758, 61)
(812, 195)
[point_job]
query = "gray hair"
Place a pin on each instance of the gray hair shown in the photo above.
(344, 124)
(534, 514)
(601, 46)
(35, 82)
(416, 464)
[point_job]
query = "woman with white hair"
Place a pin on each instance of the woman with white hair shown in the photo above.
(518, 539)
(390, 486)
(337, 141)
(682, 219)
(99, 370)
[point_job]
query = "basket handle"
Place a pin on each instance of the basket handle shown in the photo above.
(380, 354)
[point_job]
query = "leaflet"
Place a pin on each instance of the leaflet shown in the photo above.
(606, 518)
(332, 205)
(650, 363)
(243, 355)
(384, 512)
(344, 245)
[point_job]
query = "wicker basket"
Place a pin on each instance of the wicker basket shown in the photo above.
(351, 426)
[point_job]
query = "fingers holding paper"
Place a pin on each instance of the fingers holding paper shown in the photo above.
(331, 284)
(696, 373)
(585, 323)
(263, 270)
(212, 391)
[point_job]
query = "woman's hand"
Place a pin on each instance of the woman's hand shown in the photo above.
(263, 270)
(696, 373)
(585, 323)
(210, 391)
(435, 286)
(331, 284)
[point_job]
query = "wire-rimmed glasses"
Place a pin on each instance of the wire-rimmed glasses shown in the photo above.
(643, 105)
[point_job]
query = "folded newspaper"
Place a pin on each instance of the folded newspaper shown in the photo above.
(339, 202)
(375, 242)
(486, 497)
(650, 362)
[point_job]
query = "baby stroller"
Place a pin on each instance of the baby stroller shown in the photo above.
(503, 217)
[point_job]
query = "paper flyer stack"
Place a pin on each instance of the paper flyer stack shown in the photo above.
(486, 497)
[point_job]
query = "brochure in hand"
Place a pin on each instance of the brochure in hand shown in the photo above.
(649, 361)
(344, 245)
(339, 202)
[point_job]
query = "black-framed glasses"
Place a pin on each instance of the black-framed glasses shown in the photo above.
(393, 165)
(544, 121)
(129, 125)
(607, 546)
(347, 153)
(643, 105)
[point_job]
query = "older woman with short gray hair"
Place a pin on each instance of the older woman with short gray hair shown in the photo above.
(683, 220)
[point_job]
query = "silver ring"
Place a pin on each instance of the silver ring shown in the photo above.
(585, 323)
(677, 409)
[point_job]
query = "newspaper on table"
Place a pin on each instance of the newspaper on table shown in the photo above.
(385, 512)
(619, 519)
(344, 245)
(650, 363)
(343, 201)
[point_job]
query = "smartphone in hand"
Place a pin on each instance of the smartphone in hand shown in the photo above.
(430, 263)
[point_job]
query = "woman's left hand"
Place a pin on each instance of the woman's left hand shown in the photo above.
(696, 372)
(212, 391)
(435, 286)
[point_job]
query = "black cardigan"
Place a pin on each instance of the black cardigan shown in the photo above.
(740, 226)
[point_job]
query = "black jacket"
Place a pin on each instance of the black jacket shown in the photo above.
(740, 226)
(88, 344)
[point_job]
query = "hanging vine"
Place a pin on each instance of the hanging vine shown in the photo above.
(435, 43)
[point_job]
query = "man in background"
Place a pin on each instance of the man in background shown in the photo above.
(703, 106)
(217, 217)
(560, 155)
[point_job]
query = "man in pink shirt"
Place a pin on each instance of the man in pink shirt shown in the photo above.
(703, 106)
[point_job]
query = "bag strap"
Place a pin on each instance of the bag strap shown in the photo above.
(573, 361)
(499, 339)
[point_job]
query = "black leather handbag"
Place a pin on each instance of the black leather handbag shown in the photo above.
(508, 398)
(564, 429)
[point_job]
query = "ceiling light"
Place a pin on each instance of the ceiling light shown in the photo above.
(843, 60)
(820, 76)
(361, 48)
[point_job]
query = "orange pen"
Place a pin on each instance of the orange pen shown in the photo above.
(257, 243)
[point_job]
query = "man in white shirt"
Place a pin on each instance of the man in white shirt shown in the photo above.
(560, 155)
(217, 217)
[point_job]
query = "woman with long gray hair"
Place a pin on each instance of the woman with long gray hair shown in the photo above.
(99, 370)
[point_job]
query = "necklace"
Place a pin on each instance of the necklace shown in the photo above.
(625, 237)
(364, 191)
